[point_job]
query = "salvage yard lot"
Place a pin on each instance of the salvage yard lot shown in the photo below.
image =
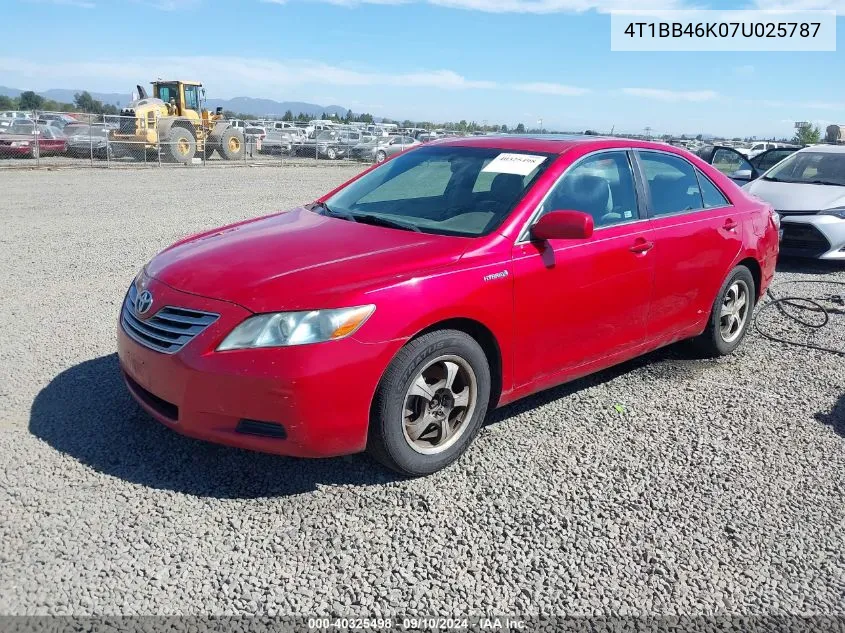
(667, 485)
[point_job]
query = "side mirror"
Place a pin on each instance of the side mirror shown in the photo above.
(563, 225)
(742, 174)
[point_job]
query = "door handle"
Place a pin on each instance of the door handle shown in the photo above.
(642, 246)
(730, 224)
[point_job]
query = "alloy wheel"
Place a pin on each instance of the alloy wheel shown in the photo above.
(439, 404)
(734, 311)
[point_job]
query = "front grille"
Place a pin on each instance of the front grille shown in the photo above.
(803, 239)
(127, 122)
(168, 330)
(162, 407)
(788, 212)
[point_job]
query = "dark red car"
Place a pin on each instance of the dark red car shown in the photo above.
(33, 142)
(396, 311)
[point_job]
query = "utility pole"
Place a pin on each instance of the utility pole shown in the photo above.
(647, 133)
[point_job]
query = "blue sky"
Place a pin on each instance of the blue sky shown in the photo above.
(503, 61)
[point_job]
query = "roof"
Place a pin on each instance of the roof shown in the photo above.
(827, 149)
(549, 143)
(173, 81)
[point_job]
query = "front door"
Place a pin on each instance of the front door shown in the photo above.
(579, 302)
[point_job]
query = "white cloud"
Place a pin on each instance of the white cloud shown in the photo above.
(78, 4)
(545, 88)
(672, 96)
(801, 5)
(241, 75)
(516, 6)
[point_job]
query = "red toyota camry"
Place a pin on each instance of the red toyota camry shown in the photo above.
(393, 313)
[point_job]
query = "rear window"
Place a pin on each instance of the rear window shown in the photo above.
(446, 190)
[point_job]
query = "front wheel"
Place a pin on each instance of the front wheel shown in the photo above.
(430, 403)
(731, 314)
(381, 157)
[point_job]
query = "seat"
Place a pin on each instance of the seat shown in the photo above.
(669, 194)
(583, 192)
(506, 188)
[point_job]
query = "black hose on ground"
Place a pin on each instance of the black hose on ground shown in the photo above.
(825, 306)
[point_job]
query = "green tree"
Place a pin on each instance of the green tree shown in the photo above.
(84, 102)
(288, 116)
(807, 134)
(7, 103)
(504, 129)
(520, 129)
(30, 101)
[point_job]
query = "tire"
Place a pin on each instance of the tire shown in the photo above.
(381, 156)
(331, 153)
(232, 145)
(414, 445)
(181, 145)
(729, 322)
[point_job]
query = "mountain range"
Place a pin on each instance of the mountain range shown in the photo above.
(245, 105)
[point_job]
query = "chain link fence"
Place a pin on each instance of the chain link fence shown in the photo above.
(63, 139)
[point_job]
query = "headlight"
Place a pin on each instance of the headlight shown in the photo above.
(839, 212)
(285, 329)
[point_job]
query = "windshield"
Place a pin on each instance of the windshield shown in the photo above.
(465, 191)
(84, 130)
(811, 168)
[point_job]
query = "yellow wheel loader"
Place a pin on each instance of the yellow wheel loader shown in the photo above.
(172, 123)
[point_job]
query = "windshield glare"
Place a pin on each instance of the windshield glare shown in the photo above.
(810, 167)
(443, 190)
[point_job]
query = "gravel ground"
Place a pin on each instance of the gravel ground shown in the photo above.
(668, 485)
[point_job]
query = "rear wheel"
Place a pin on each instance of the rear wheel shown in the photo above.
(331, 153)
(181, 145)
(232, 146)
(730, 316)
(381, 156)
(430, 403)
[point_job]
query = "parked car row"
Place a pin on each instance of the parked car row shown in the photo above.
(806, 186)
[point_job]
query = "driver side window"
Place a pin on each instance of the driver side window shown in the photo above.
(601, 185)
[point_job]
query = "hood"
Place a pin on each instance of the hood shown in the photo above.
(299, 260)
(790, 196)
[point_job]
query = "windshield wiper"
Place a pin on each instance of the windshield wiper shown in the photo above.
(333, 213)
(380, 221)
(827, 182)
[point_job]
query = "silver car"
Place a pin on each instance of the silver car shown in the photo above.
(807, 189)
(387, 146)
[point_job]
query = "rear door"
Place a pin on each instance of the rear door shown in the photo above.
(697, 236)
(584, 302)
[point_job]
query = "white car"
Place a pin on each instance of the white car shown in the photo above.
(758, 148)
(807, 189)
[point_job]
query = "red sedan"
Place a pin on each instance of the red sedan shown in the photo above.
(33, 143)
(392, 314)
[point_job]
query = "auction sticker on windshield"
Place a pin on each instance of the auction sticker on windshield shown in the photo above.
(519, 164)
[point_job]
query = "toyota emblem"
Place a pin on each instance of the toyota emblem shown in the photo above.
(144, 302)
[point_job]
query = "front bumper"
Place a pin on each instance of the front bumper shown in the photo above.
(319, 394)
(819, 236)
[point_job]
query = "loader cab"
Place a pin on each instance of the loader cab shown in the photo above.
(184, 95)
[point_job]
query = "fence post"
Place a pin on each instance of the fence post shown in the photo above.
(91, 138)
(36, 150)
(158, 142)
